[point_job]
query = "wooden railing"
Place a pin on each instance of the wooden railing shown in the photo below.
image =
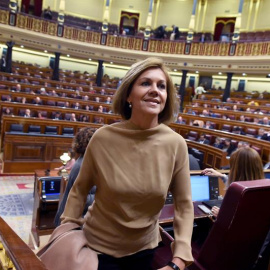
(26, 152)
(234, 114)
(229, 106)
(14, 253)
(50, 28)
(184, 129)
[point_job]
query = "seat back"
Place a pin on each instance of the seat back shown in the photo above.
(34, 129)
(239, 232)
(68, 131)
(51, 130)
(14, 128)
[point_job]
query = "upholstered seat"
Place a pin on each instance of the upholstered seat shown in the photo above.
(34, 129)
(238, 234)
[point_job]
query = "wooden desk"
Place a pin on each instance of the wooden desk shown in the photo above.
(167, 214)
(43, 211)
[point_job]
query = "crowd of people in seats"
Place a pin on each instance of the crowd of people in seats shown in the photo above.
(245, 165)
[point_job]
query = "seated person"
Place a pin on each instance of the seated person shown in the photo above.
(73, 117)
(253, 170)
(27, 113)
(228, 147)
(57, 116)
(79, 145)
(218, 143)
(37, 101)
(203, 140)
(7, 111)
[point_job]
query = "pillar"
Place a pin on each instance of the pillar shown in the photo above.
(61, 13)
(182, 88)
(147, 30)
(237, 26)
(227, 90)
(9, 56)
(192, 22)
(106, 17)
(99, 73)
(55, 75)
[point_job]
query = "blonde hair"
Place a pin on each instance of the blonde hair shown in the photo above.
(245, 164)
(120, 104)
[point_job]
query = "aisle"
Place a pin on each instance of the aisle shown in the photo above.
(16, 203)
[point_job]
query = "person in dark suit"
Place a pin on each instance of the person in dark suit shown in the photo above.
(57, 116)
(160, 31)
(218, 143)
(203, 140)
(79, 145)
(3, 64)
(47, 14)
(175, 33)
(228, 147)
(37, 101)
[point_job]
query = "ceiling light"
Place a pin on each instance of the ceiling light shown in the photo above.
(22, 46)
(175, 69)
(111, 63)
(197, 71)
(220, 73)
(90, 59)
(244, 74)
(45, 51)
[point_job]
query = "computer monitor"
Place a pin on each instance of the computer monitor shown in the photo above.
(50, 187)
(204, 187)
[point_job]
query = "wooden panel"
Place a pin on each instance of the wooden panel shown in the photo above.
(28, 152)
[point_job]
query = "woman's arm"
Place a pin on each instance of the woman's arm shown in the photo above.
(183, 208)
(212, 172)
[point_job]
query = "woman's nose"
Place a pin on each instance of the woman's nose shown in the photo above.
(153, 90)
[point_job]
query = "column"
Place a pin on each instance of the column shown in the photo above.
(55, 75)
(237, 25)
(106, 17)
(61, 13)
(13, 8)
(148, 27)
(99, 73)
(9, 56)
(191, 27)
(227, 90)
(182, 88)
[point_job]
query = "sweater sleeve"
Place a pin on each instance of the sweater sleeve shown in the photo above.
(184, 211)
(80, 189)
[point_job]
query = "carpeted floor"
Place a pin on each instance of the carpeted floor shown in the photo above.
(16, 203)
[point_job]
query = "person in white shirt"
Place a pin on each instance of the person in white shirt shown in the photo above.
(199, 90)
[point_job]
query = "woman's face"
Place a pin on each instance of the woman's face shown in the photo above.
(149, 93)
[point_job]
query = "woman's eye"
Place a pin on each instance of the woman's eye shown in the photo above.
(162, 86)
(145, 83)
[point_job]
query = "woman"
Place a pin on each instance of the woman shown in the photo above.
(245, 164)
(79, 145)
(133, 164)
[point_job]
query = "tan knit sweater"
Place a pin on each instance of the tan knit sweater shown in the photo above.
(133, 170)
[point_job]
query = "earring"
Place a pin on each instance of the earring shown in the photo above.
(130, 105)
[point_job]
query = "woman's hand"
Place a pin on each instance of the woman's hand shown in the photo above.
(215, 210)
(212, 172)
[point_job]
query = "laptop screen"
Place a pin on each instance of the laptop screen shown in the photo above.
(200, 188)
(51, 186)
